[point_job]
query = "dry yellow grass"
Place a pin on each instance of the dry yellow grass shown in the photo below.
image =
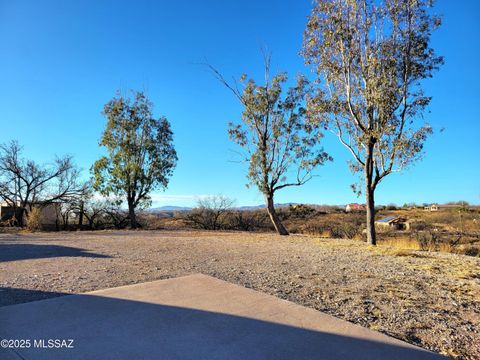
(401, 243)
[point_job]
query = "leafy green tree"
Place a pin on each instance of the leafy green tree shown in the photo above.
(279, 146)
(141, 156)
(371, 57)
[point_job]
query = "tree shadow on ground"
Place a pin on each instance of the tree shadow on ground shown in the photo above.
(113, 328)
(12, 296)
(13, 252)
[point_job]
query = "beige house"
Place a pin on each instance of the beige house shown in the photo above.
(48, 214)
(394, 223)
(431, 207)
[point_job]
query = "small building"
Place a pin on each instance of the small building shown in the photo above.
(48, 214)
(7, 212)
(394, 223)
(355, 207)
(431, 207)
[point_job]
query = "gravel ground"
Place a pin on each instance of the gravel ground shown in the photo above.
(427, 299)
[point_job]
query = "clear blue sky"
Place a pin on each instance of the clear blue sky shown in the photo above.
(60, 61)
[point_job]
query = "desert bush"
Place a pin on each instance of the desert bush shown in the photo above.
(345, 230)
(420, 226)
(247, 220)
(115, 217)
(471, 250)
(149, 221)
(391, 207)
(34, 220)
(301, 211)
(313, 228)
(346, 226)
(210, 212)
(427, 240)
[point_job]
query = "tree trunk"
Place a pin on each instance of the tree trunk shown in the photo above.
(80, 216)
(133, 217)
(369, 195)
(21, 215)
(274, 217)
(370, 202)
(65, 222)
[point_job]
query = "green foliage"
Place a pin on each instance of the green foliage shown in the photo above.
(141, 156)
(371, 58)
(279, 145)
(275, 135)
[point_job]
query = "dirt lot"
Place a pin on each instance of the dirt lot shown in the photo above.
(428, 299)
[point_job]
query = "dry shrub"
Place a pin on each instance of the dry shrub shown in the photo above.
(402, 243)
(432, 241)
(420, 225)
(470, 250)
(347, 226)
(34, 220)
(151, 221)
(247, 220)
(210, 212)
(428, 240)
(301, 211)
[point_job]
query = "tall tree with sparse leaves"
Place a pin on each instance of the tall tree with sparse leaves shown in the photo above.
(371, 57)
(141, 156)
(280, 147)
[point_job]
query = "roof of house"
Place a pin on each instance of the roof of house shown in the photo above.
(392, 219)
(356, 205)
(386, 220)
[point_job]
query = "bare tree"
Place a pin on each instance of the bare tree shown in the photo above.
(371, 57)
(88, 206)
(247, 220)
(210, 211)
(113, 214)
(93, 212)
(279, 146)
(64, 211)
(24, 183)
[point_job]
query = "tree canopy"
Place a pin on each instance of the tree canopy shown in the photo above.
(141, 156)
(371, 57)
(278, 144)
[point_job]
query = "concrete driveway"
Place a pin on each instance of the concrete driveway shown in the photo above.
(191, 317)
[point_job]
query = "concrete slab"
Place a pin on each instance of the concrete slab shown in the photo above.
(192, 317)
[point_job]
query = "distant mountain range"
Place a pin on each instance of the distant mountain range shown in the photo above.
(169, 208)
(262, 206)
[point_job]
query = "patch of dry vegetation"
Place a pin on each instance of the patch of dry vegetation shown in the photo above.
(454, 230)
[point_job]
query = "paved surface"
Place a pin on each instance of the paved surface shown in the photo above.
(191, 317)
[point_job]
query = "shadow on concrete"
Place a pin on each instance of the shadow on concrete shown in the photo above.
(12, 296)
(112, 328)
(13, 252)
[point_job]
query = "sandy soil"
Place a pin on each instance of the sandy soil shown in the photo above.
(428, 299)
